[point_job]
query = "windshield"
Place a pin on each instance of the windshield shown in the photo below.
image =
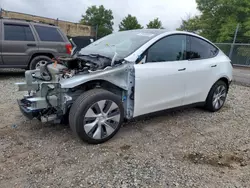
(123, 43)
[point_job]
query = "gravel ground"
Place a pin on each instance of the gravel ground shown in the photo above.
(188, 148)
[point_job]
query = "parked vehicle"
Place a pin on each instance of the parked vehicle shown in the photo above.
(125, 75)
(28, 45)
(80, 42)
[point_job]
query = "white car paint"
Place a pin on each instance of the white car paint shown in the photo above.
(202, 74)
(160, 85)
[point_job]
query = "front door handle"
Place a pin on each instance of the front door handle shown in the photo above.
(182, 69)
(214, 66)
(33, 45)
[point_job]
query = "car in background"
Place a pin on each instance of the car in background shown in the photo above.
(28, 45)
(79, 42)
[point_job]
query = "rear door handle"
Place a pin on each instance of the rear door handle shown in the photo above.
(182, 69)
(31, 45)
(214, 66)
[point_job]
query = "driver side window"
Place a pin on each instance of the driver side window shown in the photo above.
(170, 48)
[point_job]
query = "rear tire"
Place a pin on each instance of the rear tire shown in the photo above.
(217, 96)
(96, 116)
(38, 61)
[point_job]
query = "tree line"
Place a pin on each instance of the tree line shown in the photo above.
(102, 19)
(217, 20)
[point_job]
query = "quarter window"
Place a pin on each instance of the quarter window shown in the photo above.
(49, 34)
(200, 49)
(171, 48)
(18, 33)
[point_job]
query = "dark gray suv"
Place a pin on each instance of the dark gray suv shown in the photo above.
(28, 45)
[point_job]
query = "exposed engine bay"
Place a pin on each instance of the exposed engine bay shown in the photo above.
(55, 86)
(70, 66)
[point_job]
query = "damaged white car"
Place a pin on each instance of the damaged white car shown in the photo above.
(125, 75)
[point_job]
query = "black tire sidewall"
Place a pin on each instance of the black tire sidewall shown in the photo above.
(82, 110)
(35, 60)
(209, 101)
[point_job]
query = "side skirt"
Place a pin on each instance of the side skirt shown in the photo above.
(163, 112)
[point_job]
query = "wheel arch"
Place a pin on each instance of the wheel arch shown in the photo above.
(224, 79)
(101, 83)
(209, 99)
(50, 55)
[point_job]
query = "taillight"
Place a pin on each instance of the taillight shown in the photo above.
(68, 48)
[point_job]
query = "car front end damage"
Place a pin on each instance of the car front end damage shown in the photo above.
(53, 88)
(46, 100)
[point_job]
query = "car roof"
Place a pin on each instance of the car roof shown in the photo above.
(152, 31)
(165, 32)
(157, 32)
(160, 31)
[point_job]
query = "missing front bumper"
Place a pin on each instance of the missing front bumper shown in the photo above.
(30, 114)
(32, 106)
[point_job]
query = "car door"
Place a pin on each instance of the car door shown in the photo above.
(18, 41)
(160, 81)
(201, 69)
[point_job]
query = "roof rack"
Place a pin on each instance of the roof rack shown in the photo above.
(35, 21)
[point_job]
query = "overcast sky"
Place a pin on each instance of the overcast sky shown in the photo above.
(169, 12)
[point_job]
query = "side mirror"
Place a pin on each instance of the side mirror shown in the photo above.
(91, 40)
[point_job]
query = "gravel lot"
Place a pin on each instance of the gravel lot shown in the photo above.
(189, 148)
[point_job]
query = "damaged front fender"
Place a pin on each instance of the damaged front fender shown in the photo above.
(115, 75)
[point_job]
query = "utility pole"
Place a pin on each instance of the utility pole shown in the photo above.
(235, 36)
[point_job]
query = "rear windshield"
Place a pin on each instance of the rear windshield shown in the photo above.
(50, 34)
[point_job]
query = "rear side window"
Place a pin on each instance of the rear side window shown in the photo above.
(200, 49)
(18, 33)
(49, 34)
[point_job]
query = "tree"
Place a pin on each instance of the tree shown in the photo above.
(155, 24)
(190, 24)
(128, 23)
(100, 19)
(219, 19)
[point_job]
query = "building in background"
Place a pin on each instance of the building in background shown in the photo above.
(69, 28)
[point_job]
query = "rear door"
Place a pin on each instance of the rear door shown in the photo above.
(1, 61)
(201, 69)
(18, 43)
(51, 39)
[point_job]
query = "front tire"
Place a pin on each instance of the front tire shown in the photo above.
(217, 96)
(96, 116)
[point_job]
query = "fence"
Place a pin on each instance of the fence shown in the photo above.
(239, 53)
